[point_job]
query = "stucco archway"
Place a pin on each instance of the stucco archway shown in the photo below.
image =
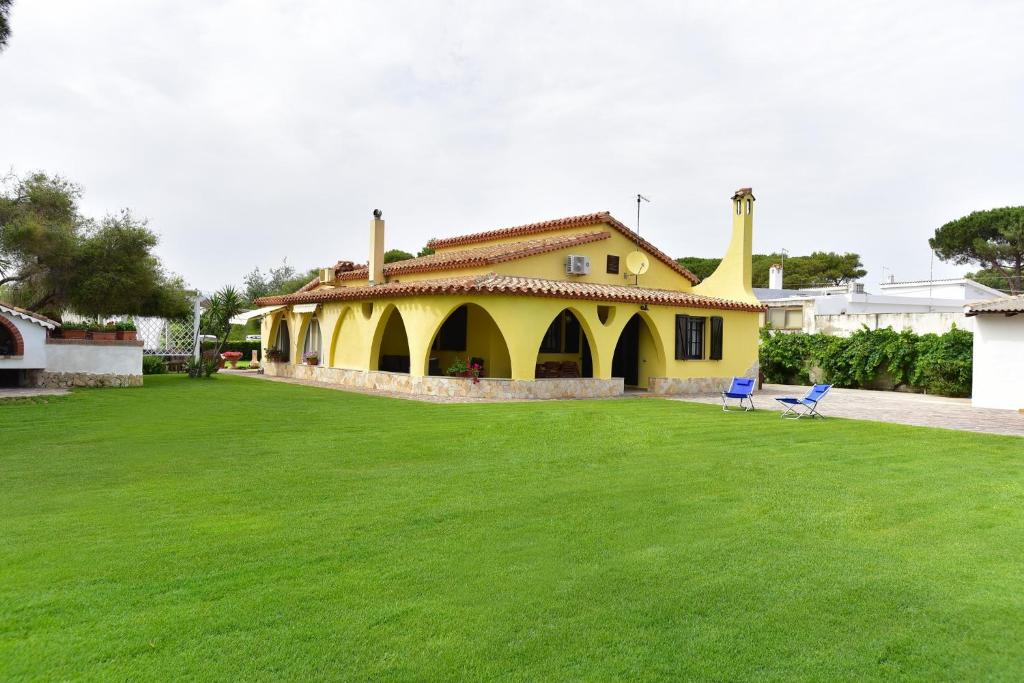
(566, 342)
(638, 353)
(390, 351)
(469, 331)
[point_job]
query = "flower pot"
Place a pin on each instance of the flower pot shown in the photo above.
(312, 361)
(104, 336)
(74, 334)
(127, 335)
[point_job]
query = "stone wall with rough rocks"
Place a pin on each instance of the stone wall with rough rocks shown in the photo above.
(670, 386)
(63, 380)
(401, 383)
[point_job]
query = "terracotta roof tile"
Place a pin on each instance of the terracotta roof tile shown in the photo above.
(561, 224)
(516, 286)
(28, 315)
(1010, 305)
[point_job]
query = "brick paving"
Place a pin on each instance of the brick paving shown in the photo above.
(891, 406)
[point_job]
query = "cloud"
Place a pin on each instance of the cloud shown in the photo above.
(251, 131)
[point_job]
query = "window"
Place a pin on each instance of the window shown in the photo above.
(715, 352)
(311, 344)
(777, 318)
(284, 341)
(689, 337)
(794, 318)
(452, 335)
(612, 267)
(552, 341)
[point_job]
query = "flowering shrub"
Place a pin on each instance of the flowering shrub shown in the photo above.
(461, 367)
(311, 358)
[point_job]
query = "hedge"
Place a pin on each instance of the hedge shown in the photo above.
(934, 364)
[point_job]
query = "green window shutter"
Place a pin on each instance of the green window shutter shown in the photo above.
(716, 337)
(681, 326)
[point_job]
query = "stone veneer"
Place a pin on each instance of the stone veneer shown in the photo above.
(455, 387)
(63, 380)
(672, 386)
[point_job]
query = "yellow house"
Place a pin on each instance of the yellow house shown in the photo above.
(573, 307)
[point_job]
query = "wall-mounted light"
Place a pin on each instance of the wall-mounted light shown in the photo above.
(643, 307)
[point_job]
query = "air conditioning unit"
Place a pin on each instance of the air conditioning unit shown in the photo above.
(577, 265)
(327, 276)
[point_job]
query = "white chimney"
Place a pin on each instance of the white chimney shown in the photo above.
(775, 277)
(376, 266)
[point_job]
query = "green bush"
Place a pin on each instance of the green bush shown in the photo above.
(936, 364)
(244, 347)
(153, 365)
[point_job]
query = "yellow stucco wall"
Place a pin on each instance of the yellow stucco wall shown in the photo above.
(507, 330)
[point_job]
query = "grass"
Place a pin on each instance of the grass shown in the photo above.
(239, 529)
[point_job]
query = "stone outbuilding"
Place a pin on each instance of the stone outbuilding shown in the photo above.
(32, 356)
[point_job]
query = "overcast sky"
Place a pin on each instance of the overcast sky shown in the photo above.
(247, 132)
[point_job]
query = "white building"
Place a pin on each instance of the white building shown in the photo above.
(845, 309)
(30, 356)
(998, 353)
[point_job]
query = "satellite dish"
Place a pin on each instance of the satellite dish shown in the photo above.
(637, 263)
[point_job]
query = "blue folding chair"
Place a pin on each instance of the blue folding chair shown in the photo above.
(741, 388)
(806, 406)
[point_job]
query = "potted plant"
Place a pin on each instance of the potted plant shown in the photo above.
(74, 331)
(126, 331)
(103, 332)
(311, 358)
(461, 367)
(232, 358)
(273, 355)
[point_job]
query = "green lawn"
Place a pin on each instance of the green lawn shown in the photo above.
(238, 529)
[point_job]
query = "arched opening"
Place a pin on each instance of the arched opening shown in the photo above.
(393, 352)
(10, 339)
(312, 343)
(469, 333)
(564, 349)
(281, 344)
(637, 355)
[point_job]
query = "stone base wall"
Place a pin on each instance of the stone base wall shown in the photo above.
(455, 387)
(675, 386)
(64, 380)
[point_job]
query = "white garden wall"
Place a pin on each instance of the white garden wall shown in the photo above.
(998, 361)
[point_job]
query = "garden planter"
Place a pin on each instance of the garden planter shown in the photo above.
(312, 361)
(127, 335)
(232, 357)
(104, 336)
(74, 334)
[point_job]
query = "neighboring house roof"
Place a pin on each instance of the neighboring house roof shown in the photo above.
(947, 281)
(29, 315)
(765, 294)
(493, 283)
(1010, 305)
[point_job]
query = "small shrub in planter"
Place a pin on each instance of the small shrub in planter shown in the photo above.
(104, 332)
(232, 358)
(275, 355)
(461, 367)
(311, 358)
(74, 331)
(126, 331)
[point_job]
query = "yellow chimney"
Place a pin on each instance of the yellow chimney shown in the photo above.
(734, 275)
(376, 267)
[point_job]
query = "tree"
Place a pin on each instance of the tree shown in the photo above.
(425, 251)
(993, 239)
(989, 278)
(281, 280)
(818, 269)
(393, 255)
(225, 304)
(5, 24)
(53, 259)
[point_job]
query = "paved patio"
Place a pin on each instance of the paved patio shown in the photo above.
(891, 406)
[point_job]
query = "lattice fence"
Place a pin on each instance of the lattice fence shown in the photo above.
(162, 337)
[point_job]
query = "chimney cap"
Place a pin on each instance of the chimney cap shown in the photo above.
(377, 213)
(743, 192)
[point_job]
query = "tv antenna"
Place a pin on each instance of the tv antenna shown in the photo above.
(639, 198)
